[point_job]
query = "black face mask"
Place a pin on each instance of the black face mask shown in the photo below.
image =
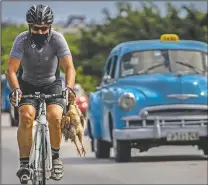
(39, 39)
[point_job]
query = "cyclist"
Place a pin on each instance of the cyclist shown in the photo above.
(38, 52)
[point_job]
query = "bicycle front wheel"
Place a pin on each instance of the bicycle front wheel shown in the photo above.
(43, 157)
(39, 177)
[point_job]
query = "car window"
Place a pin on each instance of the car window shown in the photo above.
(206, 61)
(193, 58)
(135, 62)
(108, 67)
(113, 70)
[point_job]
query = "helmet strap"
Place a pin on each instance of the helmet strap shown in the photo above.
(49, 34)
(32, 41)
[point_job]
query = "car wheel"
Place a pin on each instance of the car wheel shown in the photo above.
(102, 149)
(122, 150)
(89, 134)
(204, 146)
(14, 123)
(92, 145)
(13, 115)
(205, 149)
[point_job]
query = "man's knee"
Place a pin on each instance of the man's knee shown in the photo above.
(54, 114)
(26, 115)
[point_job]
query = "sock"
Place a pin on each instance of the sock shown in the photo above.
(55, 153)
(24, 160)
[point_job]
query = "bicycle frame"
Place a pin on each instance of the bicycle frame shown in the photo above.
(41, 140)
(41, 127)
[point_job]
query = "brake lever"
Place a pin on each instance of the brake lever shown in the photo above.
(67, 96)
(17, 98)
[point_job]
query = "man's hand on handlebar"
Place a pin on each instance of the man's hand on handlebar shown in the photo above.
(15, 96)
(70, 95)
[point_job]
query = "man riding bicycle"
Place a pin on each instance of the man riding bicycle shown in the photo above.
(38, 53)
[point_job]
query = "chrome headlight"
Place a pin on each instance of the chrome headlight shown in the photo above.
(127, 101)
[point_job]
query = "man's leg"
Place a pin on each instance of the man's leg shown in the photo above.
(54, 116)
(24, 137)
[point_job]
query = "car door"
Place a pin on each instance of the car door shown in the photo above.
(108, 97)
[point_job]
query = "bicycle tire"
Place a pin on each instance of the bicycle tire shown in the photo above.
(35, 181)
(43, 143)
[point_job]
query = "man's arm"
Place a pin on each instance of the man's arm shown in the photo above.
(14, 60)
(67, 65)
(10, 73)
(65, 60)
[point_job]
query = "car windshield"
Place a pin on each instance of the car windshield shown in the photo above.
(162, 61)
(206, 62)
(152, 61)
(186, 61)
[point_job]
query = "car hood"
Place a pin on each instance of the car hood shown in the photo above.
(194, 85)
(165, 88)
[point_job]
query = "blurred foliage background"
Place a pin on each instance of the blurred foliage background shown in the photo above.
(91, 47)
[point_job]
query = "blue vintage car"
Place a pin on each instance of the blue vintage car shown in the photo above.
(4, 94)
(153, 93)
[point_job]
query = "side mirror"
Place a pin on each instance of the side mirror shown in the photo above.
(106, 78)
(127, 65)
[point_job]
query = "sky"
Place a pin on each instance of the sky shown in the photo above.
(16, 10)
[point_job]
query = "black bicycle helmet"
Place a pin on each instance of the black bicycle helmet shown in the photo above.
(39, 14)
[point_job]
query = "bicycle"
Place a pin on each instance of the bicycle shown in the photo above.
(40, 159)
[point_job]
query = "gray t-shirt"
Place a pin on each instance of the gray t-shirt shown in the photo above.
(39, 66)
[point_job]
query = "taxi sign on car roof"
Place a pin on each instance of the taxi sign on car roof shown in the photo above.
(169, 37)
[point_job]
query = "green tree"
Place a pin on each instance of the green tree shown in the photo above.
(140, 24)
(91, 47)
(9, 34)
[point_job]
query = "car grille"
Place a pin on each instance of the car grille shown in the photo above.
(167, 123)
(171, 117)
(177, 112)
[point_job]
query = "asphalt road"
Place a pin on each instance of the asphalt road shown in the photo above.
(162, 165)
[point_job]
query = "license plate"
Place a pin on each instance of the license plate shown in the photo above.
(182, 136)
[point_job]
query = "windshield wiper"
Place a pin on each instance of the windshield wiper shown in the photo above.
(197, 70)
(149, 68)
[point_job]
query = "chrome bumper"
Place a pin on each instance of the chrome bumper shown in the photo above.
(161, 127)
(154, 133)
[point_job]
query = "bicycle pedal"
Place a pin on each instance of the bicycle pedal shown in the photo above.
(24, 176)
(24, 179)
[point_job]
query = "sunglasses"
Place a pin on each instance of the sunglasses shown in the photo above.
(35, 28)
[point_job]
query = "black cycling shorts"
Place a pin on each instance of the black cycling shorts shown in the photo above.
(54, 88)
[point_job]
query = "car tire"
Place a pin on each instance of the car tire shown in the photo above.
(102, 150)
(13, 114)
(14, 123)
(92, 145)
(122, 151)
(204, 146)
(205, 149)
